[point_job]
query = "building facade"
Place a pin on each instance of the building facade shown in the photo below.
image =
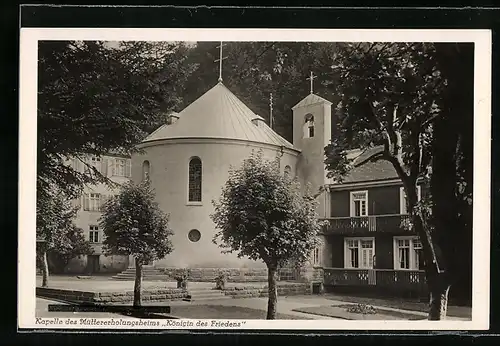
(118, 169)
(368, 242)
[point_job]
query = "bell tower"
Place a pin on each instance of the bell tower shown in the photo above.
(312, 131)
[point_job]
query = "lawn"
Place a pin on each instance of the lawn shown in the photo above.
(225, 312)
(453, 311)
(339, 311)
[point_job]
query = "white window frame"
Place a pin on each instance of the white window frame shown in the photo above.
(347, 257)
(93, 234)
(352, 208)
(413, 264)
(402, 199)
(119, 167)
(94, 201)
(96, 162)
(317, 255)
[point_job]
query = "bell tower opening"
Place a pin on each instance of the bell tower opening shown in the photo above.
(308, 128)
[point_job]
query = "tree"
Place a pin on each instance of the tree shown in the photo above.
(391, 97)
(452, 165)
(99, 97)
(263, 215)
(133, 224)
(94, 98)
(253, 70)
(56, 232)
(71, 245)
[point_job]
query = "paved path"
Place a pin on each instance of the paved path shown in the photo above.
(286, 305)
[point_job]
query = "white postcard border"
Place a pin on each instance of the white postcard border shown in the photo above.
(482, 152)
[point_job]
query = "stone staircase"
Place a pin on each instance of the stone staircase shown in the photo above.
(148, 274)
(205, 293)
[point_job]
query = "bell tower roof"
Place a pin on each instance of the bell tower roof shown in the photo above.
(310, 100)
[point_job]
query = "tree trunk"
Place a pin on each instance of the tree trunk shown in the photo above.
(438, 306)
(45, 270)
(437, 284)
(273, 293)
(138, 283)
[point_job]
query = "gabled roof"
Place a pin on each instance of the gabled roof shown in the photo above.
(371, 171)
(310, 100)
(368, 171)
(219, 114)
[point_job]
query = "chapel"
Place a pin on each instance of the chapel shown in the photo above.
(188, 159)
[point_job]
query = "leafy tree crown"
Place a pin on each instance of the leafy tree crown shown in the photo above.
(134, 224)
(263, 214)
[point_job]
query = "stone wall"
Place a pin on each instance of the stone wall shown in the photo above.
(154, 295)
(234, 274)
(283, 290)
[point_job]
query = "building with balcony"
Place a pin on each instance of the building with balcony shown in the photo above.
(368, 244)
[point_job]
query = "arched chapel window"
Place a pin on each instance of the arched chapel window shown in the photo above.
(288, 171)
(308, 126)
(145, 170)
(195, 180)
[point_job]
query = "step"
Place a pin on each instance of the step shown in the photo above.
(197, 299)
(208, 294)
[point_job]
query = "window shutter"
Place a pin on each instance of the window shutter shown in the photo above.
(74, 164)
(104, 167)
(78, 165)
(83, 163)
(127, 168)
(102, 200)
(86, 201)
(112, 164)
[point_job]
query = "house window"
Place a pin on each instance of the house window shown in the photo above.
(407, 253)
(288, 171)
(122, 168)
(359, 253)
(359, 203)
(308, 126)
(403, 202)
(316, 256)
(92, 202)
(96, 163)
(94, 234)
(195, 178)
(145, 170)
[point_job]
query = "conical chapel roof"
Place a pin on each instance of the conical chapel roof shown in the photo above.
(219, 114)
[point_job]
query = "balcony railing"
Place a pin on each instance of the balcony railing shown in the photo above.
(373, 223)
(385, 278)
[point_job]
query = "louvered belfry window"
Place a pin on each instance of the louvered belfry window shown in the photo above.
(195, 180)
